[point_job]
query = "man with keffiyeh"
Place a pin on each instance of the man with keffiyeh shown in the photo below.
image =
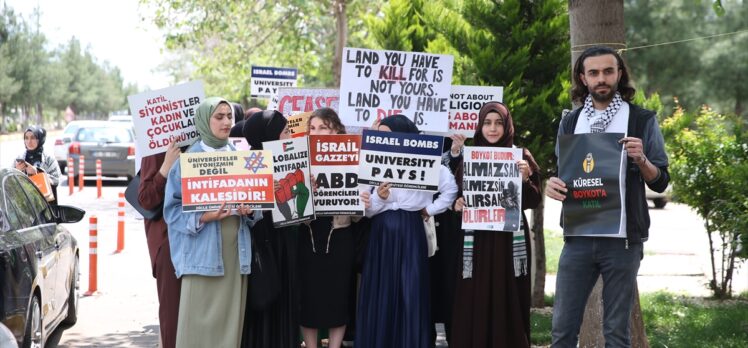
(601, 84)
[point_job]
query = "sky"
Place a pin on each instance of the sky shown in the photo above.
(111, 29)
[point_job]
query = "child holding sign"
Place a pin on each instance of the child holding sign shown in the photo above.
(492, 299)
(394, 302)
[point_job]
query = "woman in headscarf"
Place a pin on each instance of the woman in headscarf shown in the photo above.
(210, 250)
(34, 160)
(492, 300)
(274, 324)
(394, 302)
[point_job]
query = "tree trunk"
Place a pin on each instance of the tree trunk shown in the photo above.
(594, 23)
(2, 119)
(341, 20)
(538, 250)
(39, 115)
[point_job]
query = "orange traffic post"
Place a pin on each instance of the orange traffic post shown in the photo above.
(120, 223)
(98, 178)
(71, 176)
(81, 171)
(92, 258)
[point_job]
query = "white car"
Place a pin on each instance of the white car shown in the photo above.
(62, 143)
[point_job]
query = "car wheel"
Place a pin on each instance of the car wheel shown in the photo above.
(72, 317)
(33, 337)
(659, 203)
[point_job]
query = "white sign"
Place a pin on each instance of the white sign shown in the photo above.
(266, 80)
(465, 103)
(293, 204)
(165, 115)
(377, 84)
(492, 188)
(292, 101)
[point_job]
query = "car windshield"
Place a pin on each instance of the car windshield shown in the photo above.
(71, 129)
(104, 134)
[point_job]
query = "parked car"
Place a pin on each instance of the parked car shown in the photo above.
(111, 142)
(659, 199)
(39, 261)
(62, 143)
(121, 118)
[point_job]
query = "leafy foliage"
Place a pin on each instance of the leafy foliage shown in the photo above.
(709, 165)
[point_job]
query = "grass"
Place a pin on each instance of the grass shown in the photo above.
(677, 321)
(554, 242)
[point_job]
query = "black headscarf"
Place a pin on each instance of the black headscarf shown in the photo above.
(238, 112)
(263, 126)
(399, 123)
(34, 157)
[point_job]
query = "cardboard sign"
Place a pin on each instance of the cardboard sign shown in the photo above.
(591, 166)
(298, 124)
(377, 84)
(334, 161)
(291, 171)
(292, 101)
(165, 115)
(492, 188)
(409, 161)
(266, 80)
(234, 177)
(465, 103)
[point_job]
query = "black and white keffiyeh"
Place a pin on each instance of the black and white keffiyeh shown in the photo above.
(601, 123)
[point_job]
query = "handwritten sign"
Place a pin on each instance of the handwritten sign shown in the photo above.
(235, 177)
(465, 103)
(266, 80)
(492, 187)
(334, 160)
(377, 84)
(165, 115)
(291, 171)
(409, 161)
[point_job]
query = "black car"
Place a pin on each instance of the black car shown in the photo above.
(39, 277)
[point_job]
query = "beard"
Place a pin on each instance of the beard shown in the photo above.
(603, 97)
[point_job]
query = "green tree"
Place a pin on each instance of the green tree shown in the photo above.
(709, 166)
(676, 63)
(224, 39)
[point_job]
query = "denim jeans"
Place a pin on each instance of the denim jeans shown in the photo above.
(582, 260)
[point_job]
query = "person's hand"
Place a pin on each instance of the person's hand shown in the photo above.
(556, 189)
(21, 166)
(244, 210)
(425, 214)
(635, 149)
(172, 154)
(459, 204)
(458, 141)
(314, 182)
(217, 215)
(276, 185)
(366, 198)
(524, 168)
(31, 170)
(384, 190)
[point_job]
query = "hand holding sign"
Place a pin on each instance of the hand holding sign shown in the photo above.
(556, 189)
(458, 141)
(384, 190)
(217, 215)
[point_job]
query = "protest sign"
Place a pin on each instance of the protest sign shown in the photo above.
(377, 84)
(291, 171)
(591, 165)
(409, 161)
(234, 177)
(165, 115)
(492, 188)
(297, 124)
(465, 103)
(292, 101)
(334, 160)
(240, 144)
(266, 80)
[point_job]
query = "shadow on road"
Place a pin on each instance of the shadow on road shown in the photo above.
(148, 337)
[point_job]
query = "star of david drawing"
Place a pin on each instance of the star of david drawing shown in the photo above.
(255, 162)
